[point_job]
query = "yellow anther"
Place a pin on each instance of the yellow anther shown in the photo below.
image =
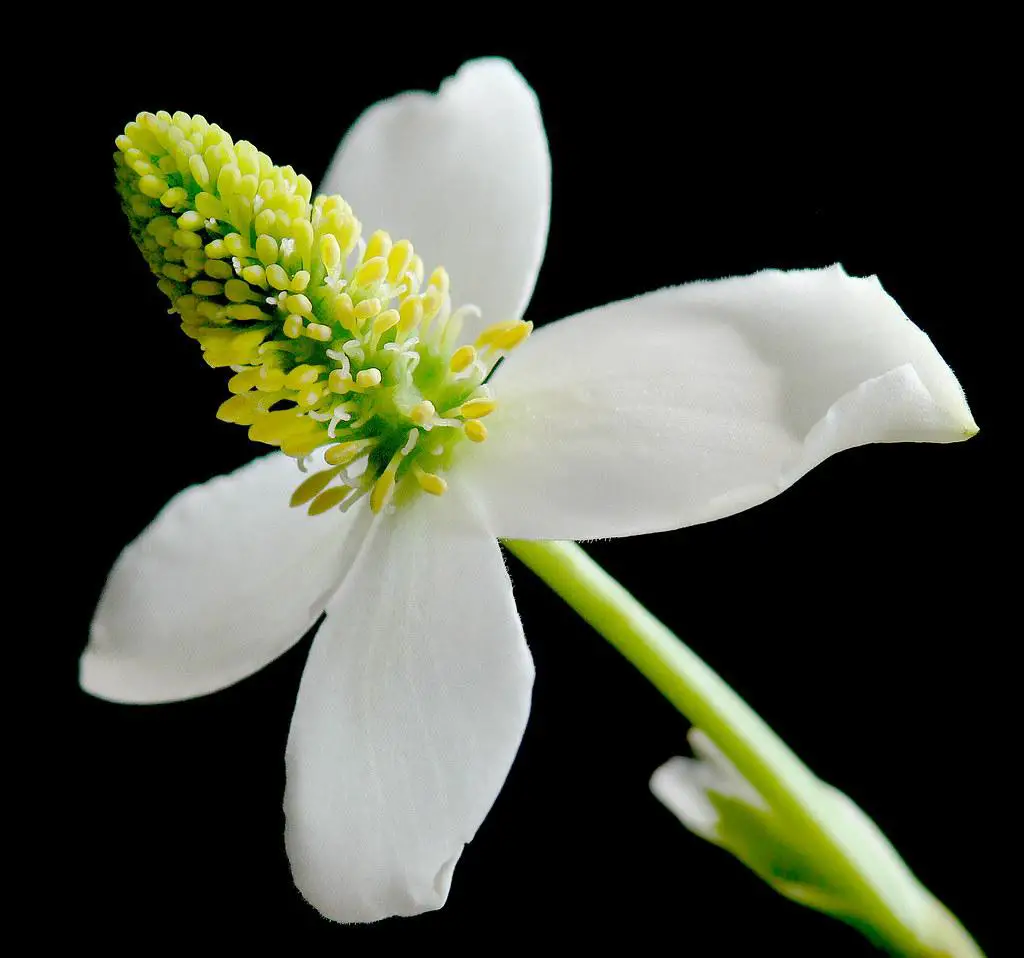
(216, 249)
(330, 251)
(300, 281)
(218, 269)
(309, 396)
(278, 277)
(398, 260)
(174, 197)
(440, 280)
(153, 186)
(423, 412)
(344, 313)
(197, 167)
(379, 244)
(372, 271)
(339, 382)
(302, 376)
(240, 409)
(205, 287)
(477, 408)
(302, 233)
(292, 326)
(495, 332)
(187, 240)
(317, 331)
(367, 378)
(175, 272)
(191, 220)
(209, 206)
(345, 452)
(385, 321)
(328, 499)
(300, 304)
(432, 302)
(382, 490)
(238, 291)
(228, 180)
(514, 336)
(429, 481)
(271, 380)
(244, 381)
(235, 243)
(312, 486)
(367, 309)
(475, 430)
(247, 311)
(410, 313)
(462, 358)
(266, 249)
(255, 275)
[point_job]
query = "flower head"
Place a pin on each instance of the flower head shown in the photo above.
(670, 409)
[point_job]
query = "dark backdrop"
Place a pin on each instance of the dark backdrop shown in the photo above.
(852, 612)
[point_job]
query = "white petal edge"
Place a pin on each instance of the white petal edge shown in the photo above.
(410, 712)
(683, 785)
(699, 401)
(223, 581)
(465, 175)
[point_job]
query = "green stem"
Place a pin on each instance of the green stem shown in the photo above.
(788, 786)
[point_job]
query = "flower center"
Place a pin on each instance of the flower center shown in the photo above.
(334, 340)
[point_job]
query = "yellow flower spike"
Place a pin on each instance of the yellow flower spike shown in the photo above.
(379, 244)
(261, 275)
(429, 481)
(477, 408)
(368, 378)
(462, 358)
(475, 430)
(312, 486)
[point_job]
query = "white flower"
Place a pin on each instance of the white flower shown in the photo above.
(670, 409)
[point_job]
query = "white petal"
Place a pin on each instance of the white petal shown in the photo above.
(410, 712)
(223, 581)
(463, 174)
(683, 785)
(696, 402)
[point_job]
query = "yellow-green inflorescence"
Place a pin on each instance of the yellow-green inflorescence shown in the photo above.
(334, 340)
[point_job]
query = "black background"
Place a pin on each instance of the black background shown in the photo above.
(854, 612)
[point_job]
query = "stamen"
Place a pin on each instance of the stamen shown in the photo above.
(332, 340)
